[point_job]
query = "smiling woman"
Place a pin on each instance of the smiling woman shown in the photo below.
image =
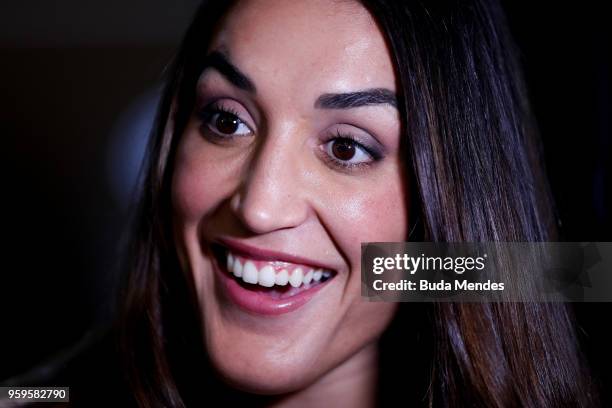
(289, 133)
(276, 181)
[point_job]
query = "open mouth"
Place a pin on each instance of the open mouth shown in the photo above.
(261, 283)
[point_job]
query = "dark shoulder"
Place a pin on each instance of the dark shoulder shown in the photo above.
(91, 368)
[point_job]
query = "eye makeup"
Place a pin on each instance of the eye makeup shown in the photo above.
(372, 148)
(222, 122)
(342, 146)
(346, 152)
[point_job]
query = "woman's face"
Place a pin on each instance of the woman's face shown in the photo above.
(290, 160)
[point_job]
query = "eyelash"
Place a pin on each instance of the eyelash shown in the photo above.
(209, 111)
(343, 165)
(216, 107)
(205, 115)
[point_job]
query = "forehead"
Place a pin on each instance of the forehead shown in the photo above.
(332, 46)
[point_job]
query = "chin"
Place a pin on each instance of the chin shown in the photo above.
(262, 376)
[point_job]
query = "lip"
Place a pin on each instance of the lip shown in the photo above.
(259, 303)
(269, 255)
(256, 301)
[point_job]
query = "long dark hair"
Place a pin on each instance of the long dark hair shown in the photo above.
(477, 175)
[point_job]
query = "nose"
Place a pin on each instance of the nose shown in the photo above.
(271, 195)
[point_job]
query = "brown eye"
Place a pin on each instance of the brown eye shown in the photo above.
(224, 123)
(343, 149)
(346, 152)
(227, 123)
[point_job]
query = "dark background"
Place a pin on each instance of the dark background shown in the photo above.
(69, 72)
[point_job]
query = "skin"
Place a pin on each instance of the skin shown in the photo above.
(275, 187)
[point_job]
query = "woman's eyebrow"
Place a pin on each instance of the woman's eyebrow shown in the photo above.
(219, 61)
(349, 100)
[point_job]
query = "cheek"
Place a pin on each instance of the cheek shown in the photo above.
(199, 184)
(368, 318)
(383, 216)
(191, 195)
(374, 214)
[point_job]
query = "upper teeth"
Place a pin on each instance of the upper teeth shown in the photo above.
(267, 276)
